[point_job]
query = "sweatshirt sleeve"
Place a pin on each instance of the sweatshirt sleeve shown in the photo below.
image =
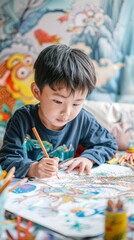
(100, 145)
(12, 152)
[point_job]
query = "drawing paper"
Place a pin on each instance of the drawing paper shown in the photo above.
(74, 205)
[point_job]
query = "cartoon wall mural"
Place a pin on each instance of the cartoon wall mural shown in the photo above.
(102, 28)
(18, 69)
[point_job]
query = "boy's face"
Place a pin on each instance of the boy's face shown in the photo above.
(59, 106)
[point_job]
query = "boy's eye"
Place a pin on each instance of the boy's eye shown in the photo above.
(76, 105)
(58, 102)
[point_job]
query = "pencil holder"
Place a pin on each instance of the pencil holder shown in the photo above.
(115, 225)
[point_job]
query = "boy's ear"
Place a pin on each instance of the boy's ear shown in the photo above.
(35, 90)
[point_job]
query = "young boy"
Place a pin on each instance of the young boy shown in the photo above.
(63, 79)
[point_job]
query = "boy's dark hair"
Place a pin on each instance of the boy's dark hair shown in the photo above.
(60, 64)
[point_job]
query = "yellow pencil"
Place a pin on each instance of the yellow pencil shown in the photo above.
(113, 160)
(41, 144)
(3, 175)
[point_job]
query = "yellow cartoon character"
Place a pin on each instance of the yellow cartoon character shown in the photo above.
(20, 75)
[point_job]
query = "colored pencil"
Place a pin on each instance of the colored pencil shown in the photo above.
(5, 185)
(9, 235)
(18, 184)
(18, 227)
(129, 165)
(113, 160)
(3, 175)
(29, 225)
(41, 144)
(10, 174)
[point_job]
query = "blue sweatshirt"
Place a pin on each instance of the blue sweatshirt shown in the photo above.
(20, 147)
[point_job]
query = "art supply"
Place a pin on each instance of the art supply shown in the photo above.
(10, 174)
(41, 144)
(115, 221)
(29, 225)
(24, 232)
(5, 185)
(130, 150)
(9, 235)
(129, 165)
(18, 227)
(113, 160)
(18, 184)
(3, 175)
(80, 199)
(6, 179)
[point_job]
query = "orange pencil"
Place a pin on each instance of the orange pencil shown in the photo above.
(5, 185)
(18, 227)
(41, 144)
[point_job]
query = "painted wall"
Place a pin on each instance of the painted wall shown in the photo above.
(104, 29)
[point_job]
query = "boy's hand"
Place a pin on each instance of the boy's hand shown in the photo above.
(80, 164)
(45, 168)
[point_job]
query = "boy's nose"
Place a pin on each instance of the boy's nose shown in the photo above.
(64, 116)
(66, 113)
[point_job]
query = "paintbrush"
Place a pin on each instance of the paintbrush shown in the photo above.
(111, 205)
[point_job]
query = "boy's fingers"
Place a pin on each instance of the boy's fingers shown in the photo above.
(81, 168)
(66, 164)
(50, 161)
(87, 170)
(57, 159)
(72, 167)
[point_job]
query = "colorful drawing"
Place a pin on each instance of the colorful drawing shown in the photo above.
(74, 204)
(25, 188)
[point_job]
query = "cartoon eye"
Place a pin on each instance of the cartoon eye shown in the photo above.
(22, 73)
(28, 60)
